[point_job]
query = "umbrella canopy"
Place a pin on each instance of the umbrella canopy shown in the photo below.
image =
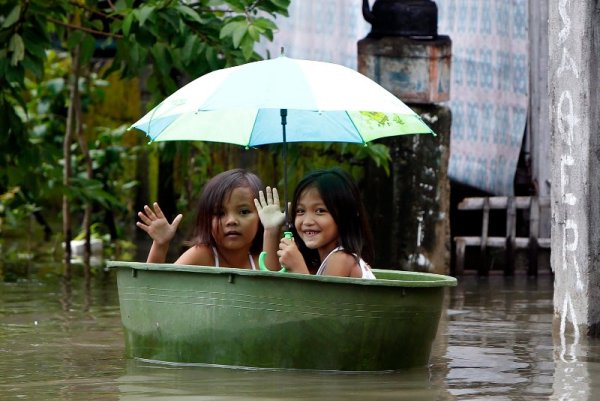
(242, 105)
(279, 101)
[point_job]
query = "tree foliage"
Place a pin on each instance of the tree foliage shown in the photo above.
(50, 47)
(178, 39)
(165, 42)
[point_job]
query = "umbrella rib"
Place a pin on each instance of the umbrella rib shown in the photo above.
(150, 122)
(355, 128)
(252, 130)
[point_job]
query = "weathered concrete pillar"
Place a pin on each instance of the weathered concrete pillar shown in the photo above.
(409, 208)
(574, 75)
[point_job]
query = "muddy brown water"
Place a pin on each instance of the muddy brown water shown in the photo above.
(494, 342)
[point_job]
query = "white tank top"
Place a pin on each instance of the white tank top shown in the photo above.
(364, 267)
(216, 256)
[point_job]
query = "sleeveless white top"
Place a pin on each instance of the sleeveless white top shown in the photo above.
(364, 267)
(216, 256)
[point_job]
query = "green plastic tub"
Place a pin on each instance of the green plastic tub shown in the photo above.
(256, 319)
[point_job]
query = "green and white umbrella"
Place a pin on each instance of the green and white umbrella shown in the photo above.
(279, 101)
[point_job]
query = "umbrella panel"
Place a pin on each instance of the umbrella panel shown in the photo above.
(264, 126)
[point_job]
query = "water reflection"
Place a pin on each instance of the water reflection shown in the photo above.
(495, 342)
(49, 353)
(501, 338)
(572, 371)
(179, 383)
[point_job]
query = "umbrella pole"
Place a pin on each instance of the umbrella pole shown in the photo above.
(283, 113)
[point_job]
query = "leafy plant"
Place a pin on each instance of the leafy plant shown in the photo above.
(53, 62)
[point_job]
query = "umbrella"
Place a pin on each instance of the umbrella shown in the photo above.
(279, 101)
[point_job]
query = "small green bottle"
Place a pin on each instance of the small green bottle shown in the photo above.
(263, 255)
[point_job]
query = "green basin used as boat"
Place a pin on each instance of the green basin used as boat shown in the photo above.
(261, 319)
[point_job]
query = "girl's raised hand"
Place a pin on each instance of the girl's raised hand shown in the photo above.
(154, 222)
(268, 209)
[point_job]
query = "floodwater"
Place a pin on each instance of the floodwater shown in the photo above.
(495, 342)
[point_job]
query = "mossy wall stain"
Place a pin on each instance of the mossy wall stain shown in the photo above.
(414, 199)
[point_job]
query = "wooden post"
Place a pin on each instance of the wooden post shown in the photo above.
(485, 222)
(511, 233)
(460, 257)
(534, 232)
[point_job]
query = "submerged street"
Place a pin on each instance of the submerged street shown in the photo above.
(494, 342)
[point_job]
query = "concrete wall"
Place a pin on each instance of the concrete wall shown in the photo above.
(574, 77)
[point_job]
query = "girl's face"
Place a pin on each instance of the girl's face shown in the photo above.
(314, 223)
(235, 226)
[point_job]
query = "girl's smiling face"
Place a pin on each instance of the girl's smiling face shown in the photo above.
(235, 225)
(314, 223)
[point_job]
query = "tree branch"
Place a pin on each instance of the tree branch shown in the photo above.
(93, 10)
(84, 29)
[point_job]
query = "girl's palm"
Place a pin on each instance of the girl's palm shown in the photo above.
(269, 210)
(156, 224)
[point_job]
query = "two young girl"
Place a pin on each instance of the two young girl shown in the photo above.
(331, 234)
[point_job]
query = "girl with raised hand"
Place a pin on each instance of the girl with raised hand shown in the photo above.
(331, 231)
(228, 231)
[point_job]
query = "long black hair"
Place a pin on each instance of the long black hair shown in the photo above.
(215, 193)
(342, 198)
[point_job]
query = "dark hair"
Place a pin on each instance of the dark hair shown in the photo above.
(215, 193)
(342, 198)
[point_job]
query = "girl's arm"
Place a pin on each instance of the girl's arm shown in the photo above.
(200, 255)
(343, 265)
(272, 219)
(154, 222)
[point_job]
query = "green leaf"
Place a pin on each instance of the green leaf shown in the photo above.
(13, 16)
(282, 4)
(143, 13)
(3, 62)
(265, 23)
(74, 39)
(134, 55)
(379, 153)
(171, 18)
(97, 24)
(145, 38)
(160, 59)
(189, 46)
(254, 33)
(193, 15)
(127, 24)
(16, 74)
(88, 46)
(35, 67)
(35, 45)
(227, 30)
(236, 5)
(269, 35)
(247, 47)
(239, 33)
(17, 47)
(274, 7)
(211, 58)
(122, 5)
